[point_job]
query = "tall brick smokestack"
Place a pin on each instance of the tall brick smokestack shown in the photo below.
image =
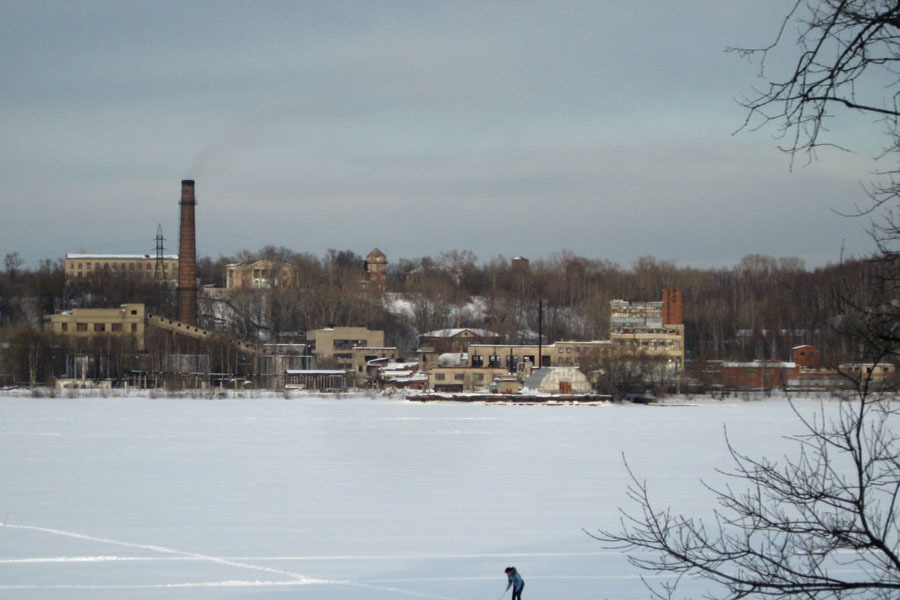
(187, 256)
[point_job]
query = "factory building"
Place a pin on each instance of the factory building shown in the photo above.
(142, 265)
(87, 323)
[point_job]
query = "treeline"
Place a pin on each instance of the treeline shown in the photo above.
(759, 308)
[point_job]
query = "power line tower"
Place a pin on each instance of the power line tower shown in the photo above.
(159, 272)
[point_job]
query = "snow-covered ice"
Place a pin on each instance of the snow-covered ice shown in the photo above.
(350, 497)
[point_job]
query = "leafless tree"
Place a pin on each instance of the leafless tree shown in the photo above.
(823, 522)
(848, 55)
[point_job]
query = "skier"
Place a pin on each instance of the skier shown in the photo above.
(515, 582)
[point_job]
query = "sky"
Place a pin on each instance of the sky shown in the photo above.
(506, 128)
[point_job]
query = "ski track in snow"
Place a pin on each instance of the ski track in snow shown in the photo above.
(337, 557)
(296, 578)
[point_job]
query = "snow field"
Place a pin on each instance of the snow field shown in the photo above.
(351, 497)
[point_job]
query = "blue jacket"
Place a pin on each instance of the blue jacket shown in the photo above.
(515, 580)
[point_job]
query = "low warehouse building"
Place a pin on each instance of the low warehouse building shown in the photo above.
(558, 380)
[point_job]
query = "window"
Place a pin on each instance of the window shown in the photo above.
(439, 376)
(65, 326)
(88, 266)
(99, 326)
(478, 377)
(116, 327)
(80, 266)
(494, 361)
(134, 327)
(80, 326)
(459, 377)
(477, 360)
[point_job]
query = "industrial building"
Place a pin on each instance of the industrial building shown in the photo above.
(86, 323)
(145, 266)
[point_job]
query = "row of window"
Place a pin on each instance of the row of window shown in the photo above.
(496, 360)
(116, 266)
(99, 327)
(459, 376)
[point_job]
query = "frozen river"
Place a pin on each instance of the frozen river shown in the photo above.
(352, 497)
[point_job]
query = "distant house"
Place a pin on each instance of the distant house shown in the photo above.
(874, 373)
(757, 374)
(376, 267)
(443, 341)
(365, 362)
(806, 356)
(335, 346)
(402, 375)
(260, 274)
(462, 378)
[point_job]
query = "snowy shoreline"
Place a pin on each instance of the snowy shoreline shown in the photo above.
(403, 396)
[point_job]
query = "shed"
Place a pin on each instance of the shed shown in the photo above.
(558, 380)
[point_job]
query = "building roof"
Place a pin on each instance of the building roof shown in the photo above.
(759, 364)
(76, 256)
(260, 261)
(537, 375)
(449, 333)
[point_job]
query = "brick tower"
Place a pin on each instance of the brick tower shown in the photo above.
(672, 307)
(187, 256)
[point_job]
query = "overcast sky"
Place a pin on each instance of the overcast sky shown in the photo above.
(604, 128)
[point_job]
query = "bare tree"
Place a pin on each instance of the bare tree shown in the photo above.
(848, 53)
(824, 522)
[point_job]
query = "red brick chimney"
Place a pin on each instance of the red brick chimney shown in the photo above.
(673, 313)
(187, 256)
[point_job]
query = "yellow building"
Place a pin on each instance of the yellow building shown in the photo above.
(366, 360)
(260, 274)
(86, 323)
(462, 379)
(334, 345)
(666, 341)
(506, 356)
(571, 354)
(577, 354)
(143, 265)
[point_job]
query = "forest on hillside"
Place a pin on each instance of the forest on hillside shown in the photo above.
(759, 308)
